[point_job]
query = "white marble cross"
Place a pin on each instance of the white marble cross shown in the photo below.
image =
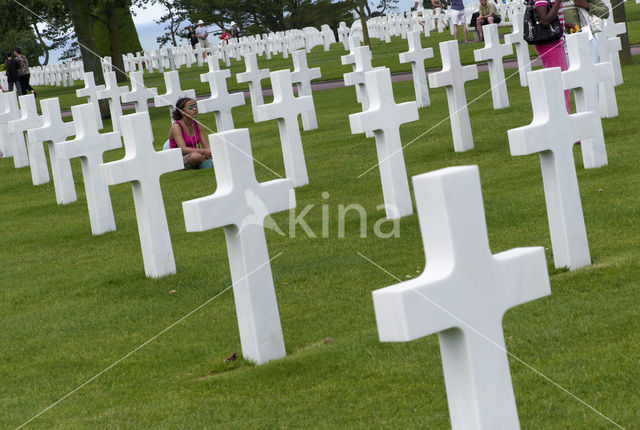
(552, 134)
(174, 92)
(89, 145)
(90, 91)
(10, 112)
(253, 75)
(221, 101)
(609, 44)
(112, 92)
(608, 48)
(286, 108)
(143, 166)
(493, 52)
(384, 118)
(53, 130)
(583, 77)
(416, 56)
(139, 94)
(453, 76)
(29, 119)
(240, 205)
(302, 76)
(522, 47)
(462, 295)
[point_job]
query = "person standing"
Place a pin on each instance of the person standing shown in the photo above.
(235, 31)
(552, 53)
(202, 34)
(13, 73)
(191, 35)
(458, 17)
(23, 71)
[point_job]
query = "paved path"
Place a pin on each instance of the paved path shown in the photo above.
(339, 83)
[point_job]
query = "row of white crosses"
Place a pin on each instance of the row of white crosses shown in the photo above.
(451, 215)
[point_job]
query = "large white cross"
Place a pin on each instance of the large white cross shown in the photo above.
(416, 56)
(609, 44)
(493, 52)
(286, 108)
(112, 92)
(221, 101)
(462, 295)
(174, 92)
(240, 205)
(453, 76)
(302, 76)
(10, 112)
(143, 166)
(139, 94)
(53, 130)
(89, 145)
(29, 119)
(90, 91)
(384, 118)
(522, 47)
(552, 134)
(253, 75)
(583, 77)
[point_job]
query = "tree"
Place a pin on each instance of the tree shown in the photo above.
(173, 18)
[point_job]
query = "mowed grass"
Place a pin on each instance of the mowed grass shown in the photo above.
(73, 304)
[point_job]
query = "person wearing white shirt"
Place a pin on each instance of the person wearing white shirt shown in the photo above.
(202, 34)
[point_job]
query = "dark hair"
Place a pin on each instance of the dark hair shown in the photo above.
(9, 54)
(18, 50)
(177, 112)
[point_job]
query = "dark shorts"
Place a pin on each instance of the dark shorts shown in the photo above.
(186, 161)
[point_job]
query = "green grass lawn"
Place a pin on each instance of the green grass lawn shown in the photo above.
(72, 304)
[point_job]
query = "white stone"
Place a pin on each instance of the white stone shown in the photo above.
(29, 119)
(453, 76)
(493, 52)
(90, 91)
(416, 56)
(221, 101)
(89, 145)
(583, 77)
(174, 92)
(609, 44)
(139, 94)
(143, 166)
(552, 134)
(53, 130)
(286, 108)
(254, 76)
(384, 117)
(462, 295)
(9, 111)
(521, 47)
(112, 92)
(240, 205)
(302, 76)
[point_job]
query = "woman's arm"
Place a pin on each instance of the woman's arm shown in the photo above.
(595, 7)
(204, 141)
(547, 17)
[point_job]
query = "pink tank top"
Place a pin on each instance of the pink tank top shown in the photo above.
(190, 141)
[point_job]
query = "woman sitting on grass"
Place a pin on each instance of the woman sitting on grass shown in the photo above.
(188, 136)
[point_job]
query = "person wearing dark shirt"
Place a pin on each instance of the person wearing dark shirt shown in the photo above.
(13, 73)
(191, 35)
(24, 72)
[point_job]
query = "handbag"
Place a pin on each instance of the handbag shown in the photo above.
(535, 33)
(594, 22)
